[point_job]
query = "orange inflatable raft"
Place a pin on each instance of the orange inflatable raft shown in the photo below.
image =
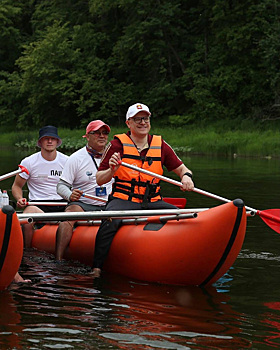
(194, 251)
(11, 245)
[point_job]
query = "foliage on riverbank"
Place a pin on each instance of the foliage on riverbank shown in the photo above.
(204, 140)
(66, 62)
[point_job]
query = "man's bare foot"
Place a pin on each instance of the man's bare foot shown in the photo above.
(19, 279)
(96, 272)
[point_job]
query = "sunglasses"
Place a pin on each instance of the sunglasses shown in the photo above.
(99, 133)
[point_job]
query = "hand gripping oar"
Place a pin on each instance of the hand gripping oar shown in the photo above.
(21, 169)
(270, 216)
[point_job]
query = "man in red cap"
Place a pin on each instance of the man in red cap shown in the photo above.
(134, 190)
(79, 178)
(44, 169)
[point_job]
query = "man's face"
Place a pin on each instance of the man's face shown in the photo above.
(140, 124)
(48, 143)
(98, 139)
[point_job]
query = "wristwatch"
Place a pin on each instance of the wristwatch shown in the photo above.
(188, 174)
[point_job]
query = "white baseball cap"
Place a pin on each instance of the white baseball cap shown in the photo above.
(136, 108)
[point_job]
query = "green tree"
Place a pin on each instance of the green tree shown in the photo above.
(236, 71)
(67, 62)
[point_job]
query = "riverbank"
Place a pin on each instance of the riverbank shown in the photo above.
(192, 140)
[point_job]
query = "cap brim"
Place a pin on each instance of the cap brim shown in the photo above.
(142, 110)
(99, 127)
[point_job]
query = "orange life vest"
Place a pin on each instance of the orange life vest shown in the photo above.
(133, 185)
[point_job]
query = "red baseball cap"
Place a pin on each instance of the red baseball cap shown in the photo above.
(96, 125)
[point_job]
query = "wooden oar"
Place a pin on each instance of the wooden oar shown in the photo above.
(21, 169)
(270, 216)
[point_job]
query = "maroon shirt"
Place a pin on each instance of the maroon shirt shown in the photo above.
(168, 157)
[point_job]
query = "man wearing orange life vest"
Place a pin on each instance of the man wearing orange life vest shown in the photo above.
(133, 190)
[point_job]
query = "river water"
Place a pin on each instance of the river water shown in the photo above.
(63, 308)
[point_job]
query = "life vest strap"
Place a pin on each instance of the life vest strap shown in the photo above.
(150, 192)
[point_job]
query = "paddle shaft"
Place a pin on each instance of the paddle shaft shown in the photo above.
(90, 196)
(53, 204)
(50, 204)
(13, 173)
(208, 194)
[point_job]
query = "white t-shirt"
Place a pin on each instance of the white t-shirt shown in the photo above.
(43, 175)
(80, 172)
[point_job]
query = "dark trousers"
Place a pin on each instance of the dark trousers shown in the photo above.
(109, 228)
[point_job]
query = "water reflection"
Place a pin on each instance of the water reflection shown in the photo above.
(10, 321)
(273, 320)
(175, 315)
(65, 307)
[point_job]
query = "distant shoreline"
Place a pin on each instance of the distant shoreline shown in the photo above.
(184, 140)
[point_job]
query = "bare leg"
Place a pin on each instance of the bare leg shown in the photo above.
(27, 235)
(19, 279)
(63, 238)
(28, 229)
(96, 272)
(64, 233)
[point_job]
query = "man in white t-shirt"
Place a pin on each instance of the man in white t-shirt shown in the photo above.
(45, 168)
(78, 179)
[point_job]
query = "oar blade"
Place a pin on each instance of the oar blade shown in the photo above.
(272, 218)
